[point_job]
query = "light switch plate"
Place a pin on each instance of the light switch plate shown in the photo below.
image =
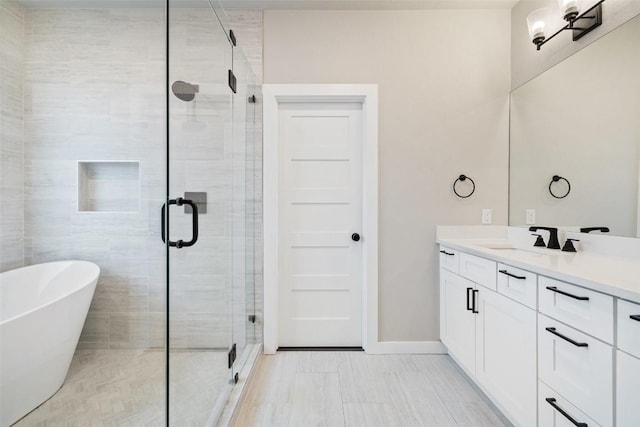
(486, 216)
(530, 216)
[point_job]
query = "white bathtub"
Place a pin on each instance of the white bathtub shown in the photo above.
(42, 310)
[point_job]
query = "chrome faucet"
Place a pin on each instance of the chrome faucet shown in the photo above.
(553, 236)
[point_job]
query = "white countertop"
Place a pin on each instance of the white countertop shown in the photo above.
(617, 276)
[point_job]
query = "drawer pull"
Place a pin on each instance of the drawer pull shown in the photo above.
(556, 290)
(635, 317)
(473, 302)
(469, 307)
(447, 253)
(552, 401)
(512, 275)
(558, 334)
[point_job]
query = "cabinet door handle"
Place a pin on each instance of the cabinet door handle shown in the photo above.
(473, 302)
(635, 317)
(512, 275)
(469, 306)
(558, 291)
(446, 253)
(558, 334)
(552, 401)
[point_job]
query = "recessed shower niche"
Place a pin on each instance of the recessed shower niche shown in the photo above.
(109, 186)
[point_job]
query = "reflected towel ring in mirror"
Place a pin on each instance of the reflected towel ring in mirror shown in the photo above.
(463, 178)
(557, 178)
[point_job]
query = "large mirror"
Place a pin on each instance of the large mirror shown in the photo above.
(580, 121)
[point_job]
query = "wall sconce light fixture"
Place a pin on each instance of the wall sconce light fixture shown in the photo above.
(578, 23)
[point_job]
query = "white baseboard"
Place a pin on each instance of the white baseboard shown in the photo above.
(407, 347)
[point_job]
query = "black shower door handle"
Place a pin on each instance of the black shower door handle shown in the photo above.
(194, 222)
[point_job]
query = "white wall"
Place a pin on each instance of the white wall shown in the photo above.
(443, 79)
(527, 62)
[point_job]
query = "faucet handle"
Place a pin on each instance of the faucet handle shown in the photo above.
(539, 241)
(568, 245)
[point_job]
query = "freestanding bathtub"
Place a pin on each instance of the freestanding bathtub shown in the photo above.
(42, 310)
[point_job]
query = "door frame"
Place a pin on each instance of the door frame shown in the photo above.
(273, 95)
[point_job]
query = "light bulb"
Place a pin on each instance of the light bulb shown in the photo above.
(569, 9)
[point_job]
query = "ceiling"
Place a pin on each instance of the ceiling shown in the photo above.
(287, 4)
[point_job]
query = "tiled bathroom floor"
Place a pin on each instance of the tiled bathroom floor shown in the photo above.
(351, 389)
(127, 388)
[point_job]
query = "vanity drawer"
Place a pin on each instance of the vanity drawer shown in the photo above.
(577, 366)
(479, 270)
(519, 285)
(584, 309)
(449, 259)
(550, 405)
(629, 328)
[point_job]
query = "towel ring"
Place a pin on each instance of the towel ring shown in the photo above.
(462, 178)
(557, 178)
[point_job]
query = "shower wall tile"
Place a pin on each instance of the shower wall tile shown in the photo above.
(247, 25)
(208, 330)
(95, 90)
(11, 135)
(128, 330)
(89, 95)
(96, 328)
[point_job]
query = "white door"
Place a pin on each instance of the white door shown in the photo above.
(506, 355)
(320, 209)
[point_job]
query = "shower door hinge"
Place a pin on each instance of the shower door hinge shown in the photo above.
(252, 318)
(232, 37)
(232, 355)
(252, 99)
(232, 81)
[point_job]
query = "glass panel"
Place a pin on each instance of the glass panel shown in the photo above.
(239, 303)
(244, 233)
(83, 149)
(200, 169)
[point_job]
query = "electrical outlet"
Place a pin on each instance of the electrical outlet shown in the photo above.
(486, 216)
(530, 216)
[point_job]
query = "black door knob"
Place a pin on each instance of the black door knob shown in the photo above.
(355, 237)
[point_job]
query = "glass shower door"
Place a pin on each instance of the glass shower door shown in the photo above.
(199, 214)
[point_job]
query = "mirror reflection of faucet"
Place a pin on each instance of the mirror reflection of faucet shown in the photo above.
(590, 229)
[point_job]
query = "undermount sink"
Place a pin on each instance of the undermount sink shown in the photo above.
(518, 251)
(508, 248)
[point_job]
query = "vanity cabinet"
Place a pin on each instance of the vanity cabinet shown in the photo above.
(457, 320)
(491, 336)
(449, 259)
(577, 366)
(546, 352)
(627, 397)
(581, 308)
(506, 354)
(556, 411)
(628, 365)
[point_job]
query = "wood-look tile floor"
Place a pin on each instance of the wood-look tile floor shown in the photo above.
(127, 388)
(353, 389)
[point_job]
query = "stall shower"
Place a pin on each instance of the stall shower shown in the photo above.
(126, 133)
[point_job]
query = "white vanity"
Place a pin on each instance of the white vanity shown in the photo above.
(553, 338)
